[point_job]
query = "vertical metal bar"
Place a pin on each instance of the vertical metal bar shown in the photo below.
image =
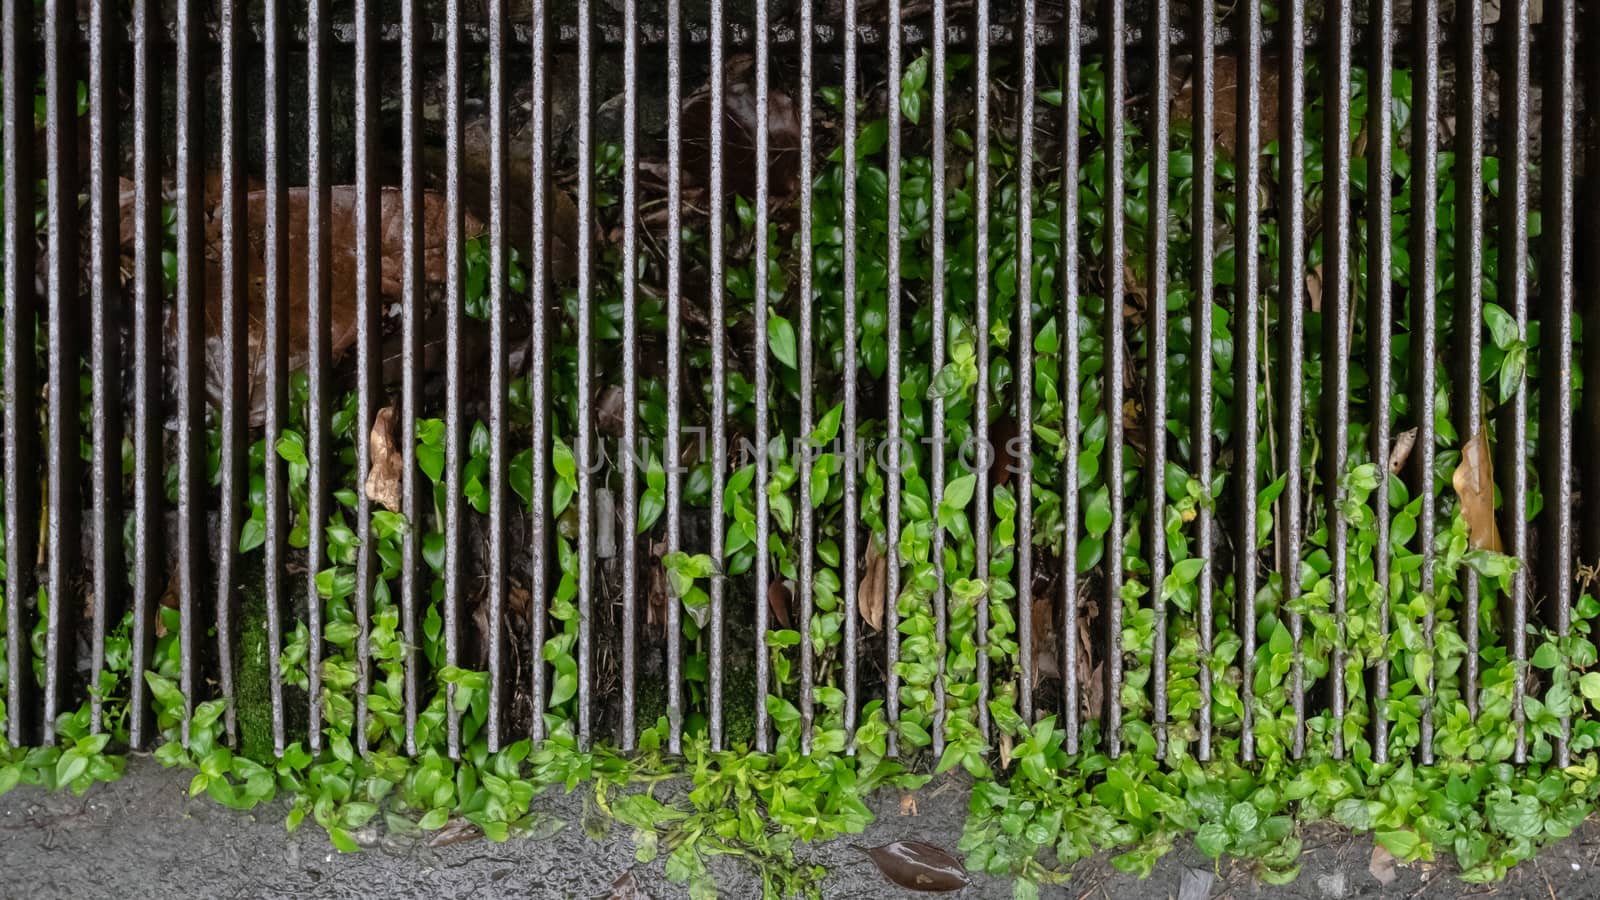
(1023, 443)
(1424, 345)
(672, 462)
(1116, 360)
(1068, 307)
(1380, 262)
(1557, 275)
(539, 273)
(191, 321)
(980, 329)
(232, 418)
(630, 374)
(892, 481)
(1155, 406)
(106, 300)
(275, 348)
(719, 375)
(1466, 349)
(850, 458)
(1247, 353)
(499, 275)
(1291, 331)
(319, 250)
(1590, 289)
(149, 289)
(21, 365)
(1338, 27)
(763, 562)
(808, 401)
(412, 287)
(586, 449)
(455, 311)
(1515, 200)
(369, 262)
(937, 307)
(64, 500)
(1200, 353)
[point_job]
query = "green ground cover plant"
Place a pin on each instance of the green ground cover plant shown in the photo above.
(1035, 808)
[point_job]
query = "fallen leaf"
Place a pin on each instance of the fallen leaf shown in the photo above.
(388, 464)
(1046, 663)
(1225, 102)
(455, 831)
(344, 300)
(869, 597)
(1403, 442)
(917, 866)
(1474, 484)
(908, 804)
(610, 416)
(626, 887)
(660, 593)
(1314, 287)
(1382, 865)
(779, 595)
(1005, 750)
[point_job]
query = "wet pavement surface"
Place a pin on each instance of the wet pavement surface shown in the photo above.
(144, 836)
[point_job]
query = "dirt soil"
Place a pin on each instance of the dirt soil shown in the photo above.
(144, 837)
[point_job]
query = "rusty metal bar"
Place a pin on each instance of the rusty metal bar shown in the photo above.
(1155, 404)
(369, 262)
(630, 380)
(763, 287)
(808, 402)
(1116, 362)
(499, 300)
(1515, 201)
(106, 299)
(21, 370)
(1291, 332)
(1067, 306)
(62, 361)
(936, 301)
(1022, 459)
(190, 315)
(540, 289)
(1557, 276)
(1248, 327)
(981, 195)
(412, 278)
(1424, 346)
(894, 427)
(319, 359)
(148, 291)
(232, 418)
(719, 374)
(455, 448)
(586, 449)
(1337, 327)
(672, 460)
(1380, 266)
(1202, 394)
(851, 421)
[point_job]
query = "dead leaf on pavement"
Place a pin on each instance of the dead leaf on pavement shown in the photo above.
(869, 598)
(455, 831)
(1474, 484)
(908, 804)
(1382, 865)
(388, 463)
(917, 866)
(1403, 442)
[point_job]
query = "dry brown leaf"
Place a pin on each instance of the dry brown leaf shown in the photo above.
(1403, 442)
(1382, 865)
(1046, 663)
(1005, 750)
(869, 597)
(1225, 102)
(1314, 287)
(388, 463)
(1474, 484)
(917, 866)
(779, 594)
(344, 307)
(908, 804)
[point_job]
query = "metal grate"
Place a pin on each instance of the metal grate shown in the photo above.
(171, 53)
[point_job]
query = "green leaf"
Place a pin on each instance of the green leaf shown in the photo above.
(1403, 843)
(780, 335)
